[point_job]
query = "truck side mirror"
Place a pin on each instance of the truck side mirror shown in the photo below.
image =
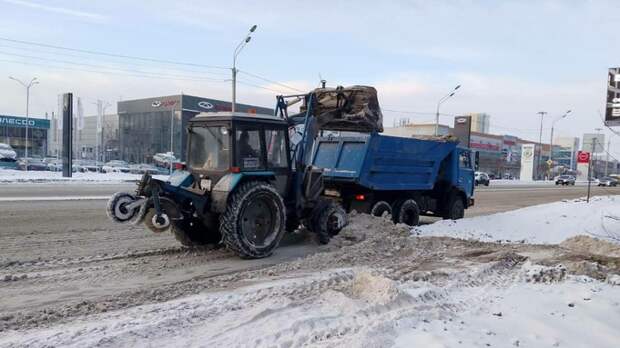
(476, 160)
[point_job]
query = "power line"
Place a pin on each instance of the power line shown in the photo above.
(107, 67)
(102, 72)
(111, 54)
(271, 81)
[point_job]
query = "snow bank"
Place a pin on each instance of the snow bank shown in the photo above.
(541, 224)
(574, 313)
(15, 176)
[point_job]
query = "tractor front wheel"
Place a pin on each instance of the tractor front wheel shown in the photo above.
(254, 220)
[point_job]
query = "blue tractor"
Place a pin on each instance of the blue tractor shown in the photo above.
(246, 182)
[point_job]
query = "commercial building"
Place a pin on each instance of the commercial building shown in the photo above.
(154, 125)
(13, 132)
(87, 142)
(480, 122)
(565, 152)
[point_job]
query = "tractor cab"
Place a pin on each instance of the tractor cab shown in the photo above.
(227, 143)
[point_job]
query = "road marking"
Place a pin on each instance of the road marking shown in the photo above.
(54, 198)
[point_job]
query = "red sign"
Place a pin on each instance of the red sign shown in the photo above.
(583, 157)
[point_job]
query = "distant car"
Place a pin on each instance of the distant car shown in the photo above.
(565, 180)
(607, 181)
(482, 178)
(86, 166)
(146, 168)
(7, 157)
(116, 166)
(34, 164)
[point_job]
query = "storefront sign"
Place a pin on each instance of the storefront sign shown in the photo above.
(22, 122)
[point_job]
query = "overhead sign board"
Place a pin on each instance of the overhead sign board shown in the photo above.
(23, 122)
(612, 107)
(462, 130)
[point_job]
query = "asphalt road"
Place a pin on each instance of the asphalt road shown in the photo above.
(57, 240)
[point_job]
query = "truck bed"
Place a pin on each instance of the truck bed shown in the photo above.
(381, 162)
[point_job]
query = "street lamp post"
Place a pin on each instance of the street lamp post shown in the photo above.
(542, 115)
(27, 86)
(240, 47)
(551, 140)
(446, 97)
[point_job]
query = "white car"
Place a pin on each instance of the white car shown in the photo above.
(116, 166)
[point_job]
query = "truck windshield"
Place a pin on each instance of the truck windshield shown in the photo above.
(209, 148)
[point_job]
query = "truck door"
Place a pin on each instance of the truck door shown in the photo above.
(466, 172)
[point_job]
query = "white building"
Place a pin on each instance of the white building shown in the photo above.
(85, 141)
(480, 122)
(413, 129)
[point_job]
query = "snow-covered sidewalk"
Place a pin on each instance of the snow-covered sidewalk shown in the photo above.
(8, 176)
(541, 224)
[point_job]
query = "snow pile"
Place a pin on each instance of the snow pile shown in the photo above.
(573, 313)
(542, 224)
(14, 176)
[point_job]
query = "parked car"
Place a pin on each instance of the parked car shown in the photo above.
(86, 166)
(147, 168)
(482, 178)
(54, 165)
(565, 180)
(7, 157)
(35, 164)
(116, 166)
(607, 181)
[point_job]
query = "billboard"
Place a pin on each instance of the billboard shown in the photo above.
(593, 142)
(583, 157)
(612, 107)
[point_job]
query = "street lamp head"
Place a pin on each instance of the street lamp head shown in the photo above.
(253, 28)
(457, 87)
(451, 94)
(247, 39)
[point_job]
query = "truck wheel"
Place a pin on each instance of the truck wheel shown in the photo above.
(409, 213)
(456, 209)
(254, 220)
(117, 210)
(380, 208)
(193, 232)
(328, 219)
(169, 214)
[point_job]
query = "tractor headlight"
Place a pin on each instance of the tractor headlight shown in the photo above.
(205, 184)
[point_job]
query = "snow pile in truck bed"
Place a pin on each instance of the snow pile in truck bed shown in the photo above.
(541, 224)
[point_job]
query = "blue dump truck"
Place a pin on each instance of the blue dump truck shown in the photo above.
(251, 178)
(403, 177)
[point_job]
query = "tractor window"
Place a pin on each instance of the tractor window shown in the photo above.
(275, 141)
(209, 148)
(248, 149)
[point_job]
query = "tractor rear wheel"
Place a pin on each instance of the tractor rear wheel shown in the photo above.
(254, 220)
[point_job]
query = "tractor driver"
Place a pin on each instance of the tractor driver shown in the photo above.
(245, 149)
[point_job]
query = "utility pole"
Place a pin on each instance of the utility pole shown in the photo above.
(551, 140)
(27, 86)
(240, 47)
(598, 132)
(446, 97)
(607, 160)
(171, 137)
(542, 115)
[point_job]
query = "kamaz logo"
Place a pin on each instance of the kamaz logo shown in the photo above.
(205, 105)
